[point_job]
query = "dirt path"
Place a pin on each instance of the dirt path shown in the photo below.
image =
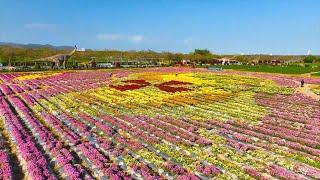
(306, 90)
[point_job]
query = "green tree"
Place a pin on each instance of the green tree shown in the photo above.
(204, 52)
(310, 59)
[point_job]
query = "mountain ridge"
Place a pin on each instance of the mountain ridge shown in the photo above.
(35, 46)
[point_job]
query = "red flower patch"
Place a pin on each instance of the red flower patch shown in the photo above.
(174, 83)
(167, 86)
(131, 85)
(170, 86)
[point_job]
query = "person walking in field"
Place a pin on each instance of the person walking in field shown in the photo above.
(302, 83)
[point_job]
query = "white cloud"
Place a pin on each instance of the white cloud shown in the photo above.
(136, 38)
(40, 26)
(112, 37)
(120, 37)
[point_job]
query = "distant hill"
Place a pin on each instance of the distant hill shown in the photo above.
(35, 46)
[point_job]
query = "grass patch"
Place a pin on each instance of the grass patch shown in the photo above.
(316, 74)
(273, 69)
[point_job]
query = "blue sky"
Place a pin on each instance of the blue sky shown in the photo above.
(222, 26)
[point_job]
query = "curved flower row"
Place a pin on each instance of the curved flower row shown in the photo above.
(33, 160)
(5, 166)
(63, 156)
(183, 124)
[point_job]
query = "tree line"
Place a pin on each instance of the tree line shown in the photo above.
(10, 54)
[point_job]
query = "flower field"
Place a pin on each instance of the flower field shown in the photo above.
(316, 89)
(166, 123)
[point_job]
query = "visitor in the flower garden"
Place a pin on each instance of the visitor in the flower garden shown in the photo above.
(302, 83)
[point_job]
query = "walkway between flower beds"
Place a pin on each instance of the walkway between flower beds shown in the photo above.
(306, 90)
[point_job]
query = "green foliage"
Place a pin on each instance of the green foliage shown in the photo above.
(316, 74)
(37, 67)
(21, 56)
(203, 52)
(15, 54)
(202, 56)
(311, 59)
(291, 69)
